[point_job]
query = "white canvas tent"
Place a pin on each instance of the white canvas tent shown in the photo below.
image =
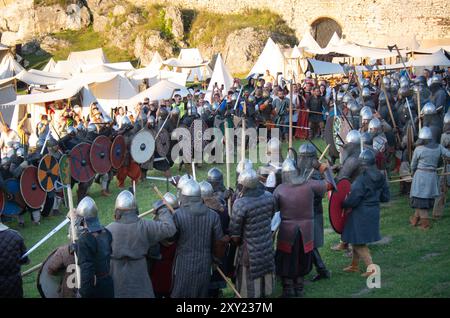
(3, 51)
(90, 57)
(191, 62)
(7, 91)
(334, 42)
(9, 67)
(271, 59)
(50, 66)
(156, 63)
(310, 45)
(162, 90)
(35, 77)
(67, 67)
(436, 59)
(221, 75)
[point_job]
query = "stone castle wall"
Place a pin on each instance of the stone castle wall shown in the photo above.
(360, 20)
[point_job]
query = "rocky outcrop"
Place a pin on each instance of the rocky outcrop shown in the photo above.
(22, 20)
(51, 44)
(146, 44)
(174, 19)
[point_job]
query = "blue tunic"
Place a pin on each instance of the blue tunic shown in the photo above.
(363, 222)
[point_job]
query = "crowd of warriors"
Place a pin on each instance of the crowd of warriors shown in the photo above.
(206, 229)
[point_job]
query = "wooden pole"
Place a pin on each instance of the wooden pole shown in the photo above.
(32, 270)
(228, 282)
(418, 110)
(244, 112)
(410, 179)
(227, 158)
(146, 213)
(74, 234)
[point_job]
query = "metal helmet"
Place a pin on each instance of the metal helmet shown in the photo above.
(420, 80)
(395, 85)
(191, 189)
(374, 125)
(339, 96)
(171, 199)
(382, 98)
(428, 109)
(20, 152)
(271, 181)
(367, 157)
(184, 178)
(307, 150)
(206, 189)
(367, 138)
(353, 137)
(425, 133)
(244, 165)
(347, 98)
(125, 121)
(447, 118)
(91, 127)
(288, 166)
(366, 113)
(387, 82)
(81, 128)
(248, 179)
(214, 175)
(125, 201)
(71, 130)
(404, 81)
(354, 106)
(404, 91)
(251, 99)
(151, 121)
(365, 92)
(436, 79)
(87, 208)
(273, 146)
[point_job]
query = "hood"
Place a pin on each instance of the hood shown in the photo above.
(374, 178)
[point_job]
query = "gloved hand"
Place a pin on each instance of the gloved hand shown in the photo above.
(228, 193)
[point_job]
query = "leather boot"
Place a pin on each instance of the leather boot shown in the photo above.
(288, 288)
(415, 219)
(322, 272)
(299, 287)
(340, 247)
(425, 224)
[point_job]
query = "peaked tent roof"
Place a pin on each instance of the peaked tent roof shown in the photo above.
(9, 66)
(156, 63)
(35, 77)
(192, 54)
(221, 75)
(162, 90)
(436, 59)
(50, 66)
(67, 67)
(93, 57)
(271, 59)
(310, 45)
(334, 41)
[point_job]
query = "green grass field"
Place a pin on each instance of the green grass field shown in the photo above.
(413, 263)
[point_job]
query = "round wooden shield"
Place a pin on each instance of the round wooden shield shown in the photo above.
(48, 172)
(30, 188)
(49, 285)
(64, 169)
(100, 154)
(163, 143)
(329, 135)
(16, 204)
(197, 129)
(80, 164)
(118, 152)
(338, 215)
(142, 146)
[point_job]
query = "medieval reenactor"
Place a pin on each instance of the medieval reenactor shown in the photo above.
(432, 120)
(132, 238)
(219, 206)
(94, 250)
(365, 116)
(250, 229)
(306, 162)
(439, 97)
(363, 222)
(200, 237)
(380, 142)
(367, 97)
(421, 91)
(160, 267)
(129, 168)
(444, 180)
(273, 166)
(424, 188)
(215, 178)
(12, 247)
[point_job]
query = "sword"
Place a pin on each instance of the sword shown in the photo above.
(161, 179)
(45, 142)
(45, 238)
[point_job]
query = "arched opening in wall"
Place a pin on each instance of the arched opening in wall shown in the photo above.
(323, 29)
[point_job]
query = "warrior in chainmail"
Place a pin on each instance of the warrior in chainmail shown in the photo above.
(433, 120)
(272, 168)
